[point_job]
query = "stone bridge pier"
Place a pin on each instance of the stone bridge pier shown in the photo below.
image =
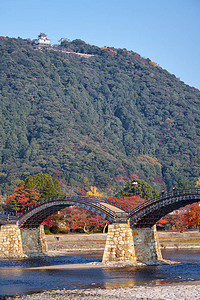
(122, 244)
(125, 244)
(18, 242)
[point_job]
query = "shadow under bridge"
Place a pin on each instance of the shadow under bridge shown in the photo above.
(151, 211)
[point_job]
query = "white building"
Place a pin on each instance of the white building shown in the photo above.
(42, 41)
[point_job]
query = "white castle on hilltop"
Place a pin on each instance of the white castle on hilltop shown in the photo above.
(42, 41)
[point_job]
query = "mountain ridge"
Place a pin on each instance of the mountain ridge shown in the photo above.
(96, 121)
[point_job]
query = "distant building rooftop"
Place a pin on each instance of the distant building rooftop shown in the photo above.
(42, 41)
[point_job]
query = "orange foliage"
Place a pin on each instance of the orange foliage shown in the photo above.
(112, 53)
(93, 192)
(148, 159)
(50, 222)
(22, 198)
(130, 202)
(154, 64)
(193, 216)
(79, 218)
(162, 222)
(168, 120)
(182, 219)
(198, 183)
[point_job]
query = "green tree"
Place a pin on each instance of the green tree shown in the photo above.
(46, 185)
(186, 185)
(140, 188)
(95, 117)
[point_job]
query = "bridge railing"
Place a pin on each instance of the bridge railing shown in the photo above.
(96, 202)
(91, 201)
(162, 196)
(78, 199)
(8, 216)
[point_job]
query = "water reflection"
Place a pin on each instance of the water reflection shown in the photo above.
(182, 255)
(15, 278)
(45, 261)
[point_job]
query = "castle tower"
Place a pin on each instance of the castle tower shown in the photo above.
(42, 41)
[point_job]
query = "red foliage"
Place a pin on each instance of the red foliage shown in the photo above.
(162, 222)
(22, 198)
(130, 202)
(82, 192)
(75, 149)
(50, 222)
(112, 52)
(159, 179)
(79, 218)
(134, 176)
(193, 215)
(89, 88)
(119, 178)
(182, 219)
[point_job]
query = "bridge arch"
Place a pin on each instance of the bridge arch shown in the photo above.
(144, 215)
(36, 214)
(148, 213)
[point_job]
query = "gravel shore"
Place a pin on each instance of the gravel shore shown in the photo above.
(165, 292)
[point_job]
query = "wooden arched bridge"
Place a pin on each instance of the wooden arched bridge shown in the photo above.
(144, 215)
(35, 214)
(21, 234)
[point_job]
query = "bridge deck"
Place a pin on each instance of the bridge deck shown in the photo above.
(144, 215)
(112, 207)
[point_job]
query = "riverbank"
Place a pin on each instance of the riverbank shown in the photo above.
(186, 291)
(95, 243)
(179, 240)
(184, 286)
(65, 277)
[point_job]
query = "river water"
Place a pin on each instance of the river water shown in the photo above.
(16, 279)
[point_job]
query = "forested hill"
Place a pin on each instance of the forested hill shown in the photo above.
(97, 121)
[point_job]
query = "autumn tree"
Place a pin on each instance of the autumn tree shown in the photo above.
(162, 223)
(51, 224)
(21, 198)
(198, 183)
(94, 192)
(182, 219)
(79, 219)
(128, 201)
(174, 221)
(193, 216)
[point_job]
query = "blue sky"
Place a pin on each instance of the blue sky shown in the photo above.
(166, 31)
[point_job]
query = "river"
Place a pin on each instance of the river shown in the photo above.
(17, 279)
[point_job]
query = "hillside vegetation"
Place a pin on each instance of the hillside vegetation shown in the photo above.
(97, 121)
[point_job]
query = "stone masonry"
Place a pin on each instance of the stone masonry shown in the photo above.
(20, 243)
(33, 241)
(146, 244)
(10, 242)
(119, 244)
(122, 243)
(125, 244)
